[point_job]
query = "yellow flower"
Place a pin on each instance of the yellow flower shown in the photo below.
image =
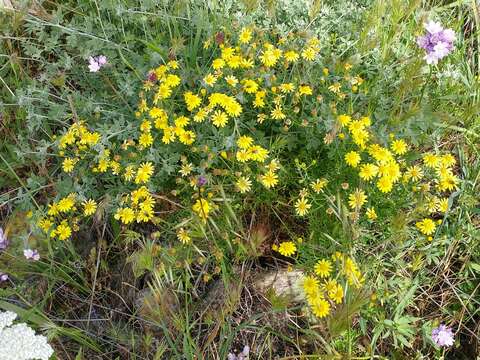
(144, 172)
(244, 142)
(426, 226)
(243, 184)
(183, 236)
(368, 171)
(219, 118)
(352, 158)
(250, 86)
(274, 165)
(443, 205)
(245, 36)
(259, 101)
(242, 156)
(269, 180)
(287, 248)
(414, 173)
(218, 64)
(146, 126)
(399, 147)
(371, 214)
(45, 224)
(344, 119)
(357, 199)
(173, 64)
(172, 80)
(210, 79)
(227, 52)
(309, 54)
(336, 294)
(384, 184)
(145, 140)
(305, 90)
(257, 153)
(291, 56)
(277, 113)
(323, 268)
(352, 273)
(235, 61)
(287, 88)
(89, 207)
(186, 169)
(201, 208)
(231, 80)
(66, 204)
(330, 284)
(431, 160)
(310, 285)
(302, 206)
(319, 184)
(448, 160)
(448, 182)
(320, 307)
(129, 173)
(193, 101)
(187, 137)
(125, 215)
(268, 58)
(63, 231)
(68, 164)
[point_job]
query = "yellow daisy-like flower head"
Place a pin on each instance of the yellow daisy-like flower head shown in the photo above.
(368, 171)
(68, 164)
(245, 36)
(323, 268)
(431, 160)
(426, 226)
(244, 142)
(144, 172)
(385, 184)
(63, 231)
(243, 184)
(287, 248)
(89, 207)
(183, 236)
(399, 147)
(357, 199)
(336, 294)
(371, 213)
(352, 158)
(219, 118)
(310, 285)
(269, 180)
(302, 206)
(320, 307)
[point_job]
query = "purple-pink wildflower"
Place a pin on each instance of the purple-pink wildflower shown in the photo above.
(31, 254)
(3, 277)
(442, 336)
(3, 240)
(95, 63)
(437, 42)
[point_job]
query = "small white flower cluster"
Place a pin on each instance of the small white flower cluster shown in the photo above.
(19, 342)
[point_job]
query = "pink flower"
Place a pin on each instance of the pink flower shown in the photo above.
(442, 336)
(437, 42)
(95, 63)
(31, 254)
(101, 60)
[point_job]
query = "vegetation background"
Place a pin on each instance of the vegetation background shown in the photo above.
(105, 295)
